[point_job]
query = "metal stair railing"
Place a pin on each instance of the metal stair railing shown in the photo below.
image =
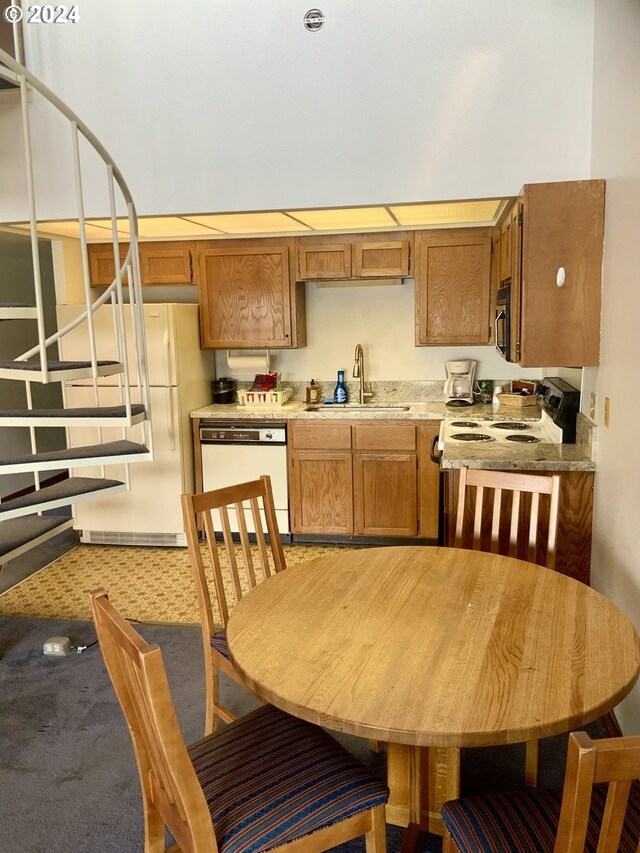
(127, 272)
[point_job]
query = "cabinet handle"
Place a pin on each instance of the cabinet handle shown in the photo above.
(560, 277)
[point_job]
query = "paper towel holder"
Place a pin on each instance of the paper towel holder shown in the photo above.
(249, 355)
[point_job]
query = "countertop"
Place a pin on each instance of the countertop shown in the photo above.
(504, 457)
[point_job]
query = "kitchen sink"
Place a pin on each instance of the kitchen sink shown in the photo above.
(354, 407)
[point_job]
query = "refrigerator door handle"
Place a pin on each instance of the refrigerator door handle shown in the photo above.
(172, 420)
(166, 340)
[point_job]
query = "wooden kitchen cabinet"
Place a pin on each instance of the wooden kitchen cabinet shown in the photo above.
(363, 478)
(248, 295)
(319, 261)
(453, 287)
(554, 227)
(160, 263)
(354, 256)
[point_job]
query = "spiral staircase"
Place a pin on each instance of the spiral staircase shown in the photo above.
(26, 519)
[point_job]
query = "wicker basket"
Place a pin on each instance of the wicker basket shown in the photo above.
(261, 399)
(517, 401)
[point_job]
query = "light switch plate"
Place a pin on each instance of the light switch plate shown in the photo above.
(606, 411)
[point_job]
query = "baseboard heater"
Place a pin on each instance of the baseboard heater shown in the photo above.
(115, 537)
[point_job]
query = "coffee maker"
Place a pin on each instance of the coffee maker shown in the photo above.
(458, 386)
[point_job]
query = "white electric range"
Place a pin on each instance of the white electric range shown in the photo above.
(505, 430)
(555, 424)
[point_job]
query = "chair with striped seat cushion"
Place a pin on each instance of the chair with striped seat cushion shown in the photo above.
(574, 819)
(267, 781)
(251, 506)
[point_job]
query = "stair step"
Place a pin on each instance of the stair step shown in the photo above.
(89, 416)
(67, 492)
(109, 453)
(17, 311)
(19, 535)
(58, 371)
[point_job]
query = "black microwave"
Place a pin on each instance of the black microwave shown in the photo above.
(502, 322)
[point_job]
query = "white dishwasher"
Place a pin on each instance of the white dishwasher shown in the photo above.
(238, 451)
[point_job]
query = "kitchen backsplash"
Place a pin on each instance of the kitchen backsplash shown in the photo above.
(385, 391)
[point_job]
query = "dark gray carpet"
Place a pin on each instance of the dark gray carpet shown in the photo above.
(68, 777)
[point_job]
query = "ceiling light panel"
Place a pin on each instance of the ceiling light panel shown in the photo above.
(170, 226)
(70, 229)
(345, 218)
(446, 213)
(250, 223)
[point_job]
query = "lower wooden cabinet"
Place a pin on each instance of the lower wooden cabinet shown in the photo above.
(363, 479)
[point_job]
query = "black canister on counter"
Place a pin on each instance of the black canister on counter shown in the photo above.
(223, 390)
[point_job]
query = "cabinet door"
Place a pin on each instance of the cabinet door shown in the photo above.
(165, 264)
(385, 494)
(321, 491)
(453, 280)
(245, 297)
(324, 261)
(102, 270)
(563, 227)
(379, 260)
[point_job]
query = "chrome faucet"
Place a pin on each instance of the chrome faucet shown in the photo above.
(358, 373)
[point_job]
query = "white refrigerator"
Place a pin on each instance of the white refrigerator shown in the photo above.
(180, 375)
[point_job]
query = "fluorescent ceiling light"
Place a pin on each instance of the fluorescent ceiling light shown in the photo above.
(446, 213)
(72, 229)
(347, 217)
(170, 226)
(249, 223)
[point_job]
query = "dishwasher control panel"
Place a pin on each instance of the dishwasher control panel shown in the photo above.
(235, 433)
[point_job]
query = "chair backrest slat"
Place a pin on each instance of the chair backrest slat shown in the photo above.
(495, 521)
(172, 794)
(515, 522)
(246, 545)
(260, 540)
(477, 518)
(500, 519)
(231, 553)
(612, 760)
(214, 558)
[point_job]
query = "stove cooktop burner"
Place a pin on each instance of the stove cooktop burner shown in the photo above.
(464, 424)
(513, 425)
(472, 436)
(524, 439)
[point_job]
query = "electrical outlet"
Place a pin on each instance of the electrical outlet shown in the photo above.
(593, 405)
(607, 411)
(57, 646)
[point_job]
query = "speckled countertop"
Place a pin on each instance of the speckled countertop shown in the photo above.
(504, 457)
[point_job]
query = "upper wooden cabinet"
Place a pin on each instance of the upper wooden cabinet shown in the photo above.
(555, 286)
(354, 256)
(160, 263)
(453, 286)
(248, 295)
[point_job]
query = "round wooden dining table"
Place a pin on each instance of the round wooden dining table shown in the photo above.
(433, 647)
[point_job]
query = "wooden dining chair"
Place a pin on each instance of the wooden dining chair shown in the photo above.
(250, 503)
(268, 781)
(500, 525)
(586, 815)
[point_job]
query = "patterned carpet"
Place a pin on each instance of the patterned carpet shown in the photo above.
(145, 584)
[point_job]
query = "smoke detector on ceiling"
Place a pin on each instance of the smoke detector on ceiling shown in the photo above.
(313, 20)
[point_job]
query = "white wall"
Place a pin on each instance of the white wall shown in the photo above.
(225, 106)
(381, 318)
(616, 155)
